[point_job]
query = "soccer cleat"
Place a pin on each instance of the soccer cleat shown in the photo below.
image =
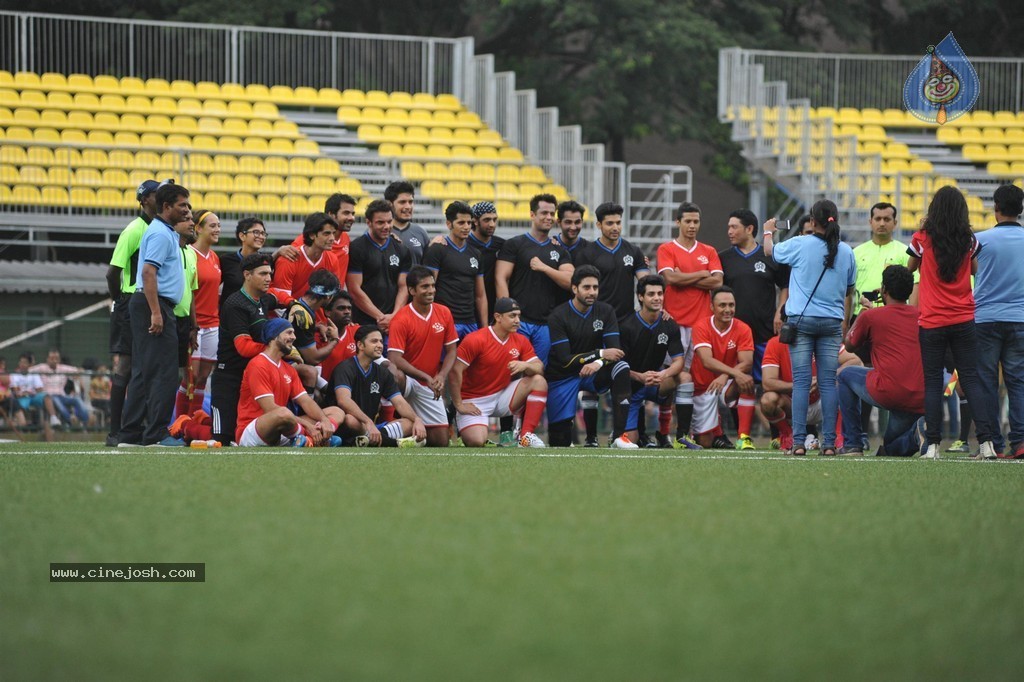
(811, 442)
(111, 442)
(744, 442)
(624, 443)
(530, 440)
(361, 441)
(686, 443)
(646, 441)
(662, 441)
(592, 443)
(851, 452)
(410, 442)
(126, 444)
(298, 441)
(987, 451)
(959, 447)
(1017, 452)
(722, 443)
(931, 452)
(776, 444)
(507, 439)
(333, 442)
(786, 442)
(922, 436)
(168, 442)
(176, 429)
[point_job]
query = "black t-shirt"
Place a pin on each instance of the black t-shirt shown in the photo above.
(754, 277)
(240, 315)
(488, 256)
(303, 322)
(457, 271)
(380, 267)
(646, 345)
(536, 293)
(577, 248)
(368, 388)
(619, 267)
(575, 335)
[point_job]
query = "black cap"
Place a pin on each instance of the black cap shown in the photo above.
(505, 305)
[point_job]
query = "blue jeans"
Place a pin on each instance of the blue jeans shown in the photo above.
(540, 339)
(900, 439)
(1003, 343)
(819, 337)
(65, 405)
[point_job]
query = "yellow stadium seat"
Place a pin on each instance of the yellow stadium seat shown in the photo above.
(979, 118)
(179, 141)
(284, 129)
(484, 172)
(109, 198)
(353, 97)
(447, 102)
(255, 145)
(272, 184)
(26, 79)
(296, 205)
(112, 102)
(299, 184)
(7, 116)
(34, 175)
(424, 100)
(146, 160)
(494, 154)
(83, 197)
(210, 90)
(277, 165)
(239, 108)
(460, 171)
(997, 152)
(53, 118)
(121, 158)
(106, 120)
(183, 124)
(9, 175)
(226, 163)
(505, 153)
(210, 124)
(104, 83)
(260, 127)
(322, 185)
(1014, 135)
(245, 182)
(507, 191)
(400, 99)
(257, 91)
(329, 97)
(391, 149)
(326, 167)
(33, 98)
(461, 151)
(52, 81)
(490, 137)
(126, 138)
(132, 85)
(410, 134)
(220, 182)
(481, 190)
(992, 134)
(509, 173)
(974, 152)
(87, 177)
(6, 79)
(54, 196)
(216, 201)
(152, 140)
(457, 188)
(306, 96)
(251, 164)
(432, 188)
(300, 167)
(26, 117)
(39, 156)
(281, 146)
(377, 98)
(969, 135)
(205, 142)
(157, 86)
(1000, 169)
(421, 117)
(190, 105)
(163, 105)
(413, 170)
(215, 107)
(115, 177)
(270, 203)
(440, 151)
(306, 147)
(350, 115)
(58, 176)
(282, 93)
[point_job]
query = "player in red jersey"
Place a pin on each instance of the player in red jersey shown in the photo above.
(315, 254)
(342, 208)
(339, 312)
(421, 345)
(482, 384)
(267, 385)
(722, 364)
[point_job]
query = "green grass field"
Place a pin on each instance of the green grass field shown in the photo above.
(511, 565)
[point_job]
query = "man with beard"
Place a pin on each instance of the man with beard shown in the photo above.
(342, 209)
(377, 269)
(456, 267)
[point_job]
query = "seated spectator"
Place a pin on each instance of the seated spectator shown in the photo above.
(30, 393)
(99, 392)
(57, 378)
(896, 381)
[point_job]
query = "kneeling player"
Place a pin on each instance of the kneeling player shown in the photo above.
(482, 384)
(723, 349)
(777, 399)
(360, 384)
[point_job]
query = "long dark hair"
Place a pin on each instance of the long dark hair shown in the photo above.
(948, 225)
(826, 214)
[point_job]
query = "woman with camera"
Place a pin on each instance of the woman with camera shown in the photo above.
(821, 286)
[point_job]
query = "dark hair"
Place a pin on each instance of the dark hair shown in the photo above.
(255, 260)
(198, 213)
(168, 194)
(800, 224)
(365, 331)
(881, 206)
(606, 209)
(722, 290)
(898, 282)
(826, 214)
(314, 223)
(341, 296)
(948, 225)
(1009, 200)
(546, 198)
(418, 273)
(26, 356)
(687, 207)
(392, 191)
(334, 202)
(745, 216)
(246, 224)
(649, 281)
(323, 278)
(584, 271)
(457, 208)
(378, 206)
(570, 207)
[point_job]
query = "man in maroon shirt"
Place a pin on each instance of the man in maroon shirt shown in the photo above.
(896, 381)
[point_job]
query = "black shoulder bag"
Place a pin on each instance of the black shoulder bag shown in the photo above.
(787, 334)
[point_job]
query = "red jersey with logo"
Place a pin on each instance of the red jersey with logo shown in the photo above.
(687, 305)
(486, 358)
(294, 276)
(422, 338)
(943, 303)
(725, 347)
(340, 252)
(264, 377)
(776, 354)
(345, 349)
(207, 297)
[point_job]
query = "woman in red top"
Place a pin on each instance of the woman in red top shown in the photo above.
(945, 250)
(192, 391)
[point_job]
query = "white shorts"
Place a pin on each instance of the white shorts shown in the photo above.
(207, 348)
(494, 405)
(705, 409)
(251, 437)
(430, 409)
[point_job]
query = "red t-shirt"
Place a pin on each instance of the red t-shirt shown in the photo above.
(294, 276)
(340, 252)
(422, 339)
(264, 377)
(897, 380)
(776, 354)
(943, 303)
(725, 347)
(486, 358)
(687, 305)
(345, 349)
(207, 297)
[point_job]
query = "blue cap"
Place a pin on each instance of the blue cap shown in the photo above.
(147, 187)
(273, 328)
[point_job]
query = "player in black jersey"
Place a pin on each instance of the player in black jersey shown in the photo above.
(585, 355)
(360, 384)
(536, 272)
(485, 222)
(457, 269)
(570, 224)
(648, 338)
(376, 270)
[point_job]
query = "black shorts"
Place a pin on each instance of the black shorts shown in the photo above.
(120, 327)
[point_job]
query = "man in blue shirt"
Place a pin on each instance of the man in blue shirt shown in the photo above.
(160, 284)
(999, 313)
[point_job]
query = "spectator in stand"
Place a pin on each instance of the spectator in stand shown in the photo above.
(251, 233)
(946, 252)
(342, 208)
(192, 391)
(315, 254)
(999, 312)
(30, 393)
(412, 236)
(895, 381)
(821, 288)
(56, 378)
(377, 269)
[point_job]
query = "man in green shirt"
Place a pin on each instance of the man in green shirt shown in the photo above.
(121, 285)
(875, 255)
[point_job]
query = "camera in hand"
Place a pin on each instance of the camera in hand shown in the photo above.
(871, 295)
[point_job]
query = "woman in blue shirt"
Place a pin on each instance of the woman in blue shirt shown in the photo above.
(821, 319)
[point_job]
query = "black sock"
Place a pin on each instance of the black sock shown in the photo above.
(505, 423)
(118, 389)
(560, 434)
(965, 419)
(387, 441)
(620, 401)
(684, 415)
(774, 430)
(641, 422)
(590, 420)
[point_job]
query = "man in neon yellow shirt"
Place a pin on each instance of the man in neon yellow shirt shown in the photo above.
(875, 255)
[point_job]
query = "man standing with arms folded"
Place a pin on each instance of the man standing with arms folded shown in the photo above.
(999, 313)
(376, 270)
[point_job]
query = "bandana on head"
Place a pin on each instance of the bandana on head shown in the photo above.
(482, 208)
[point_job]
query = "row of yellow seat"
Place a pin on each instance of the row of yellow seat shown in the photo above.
(507, 210)
(897, 118)
(972, 135)
(153, 123)
(1006, 169)
(483, 172)
(979, 153)
(398, 134)
(489, 191)
(441, 152)
(136, 104)
(354, 116)
(105, 138)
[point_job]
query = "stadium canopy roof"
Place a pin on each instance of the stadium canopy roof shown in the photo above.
(49, 277)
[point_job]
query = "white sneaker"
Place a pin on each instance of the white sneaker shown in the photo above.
(410, 442)
(530, 440)
(54, 420)
(932, 452)
(624, 443)
(361, 441)
(987, 451)
(811, 442)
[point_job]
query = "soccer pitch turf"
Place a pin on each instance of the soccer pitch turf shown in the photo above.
(511, 565)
